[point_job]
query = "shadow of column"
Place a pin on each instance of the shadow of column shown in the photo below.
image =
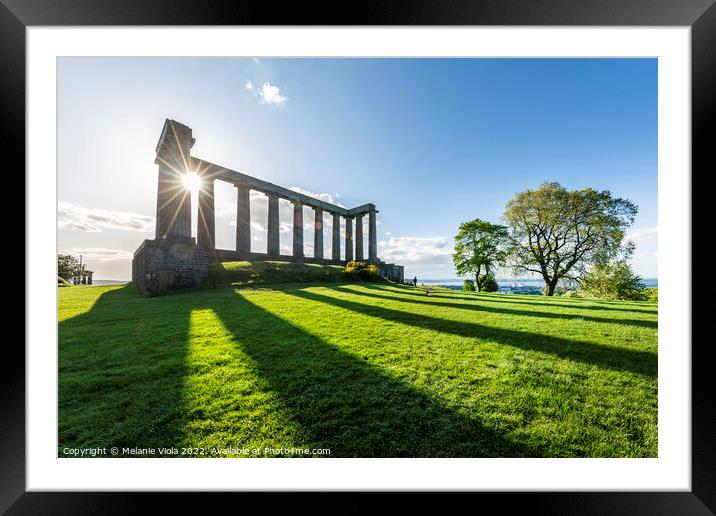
(479, 305)
(121, 372)
(345, 404)
(609, 357)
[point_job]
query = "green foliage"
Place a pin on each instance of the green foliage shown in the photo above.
(360, 271)
(227, 273)
(68, 266)
(479, 245)
(488, 283)
(367, 370)
(558, 233)
(468, 285)
(652, 294)
(613, 280)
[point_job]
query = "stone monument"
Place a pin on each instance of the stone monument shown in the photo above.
(174, 259)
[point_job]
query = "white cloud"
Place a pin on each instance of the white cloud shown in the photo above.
(326, 197)
(98, 254)
(249, 85)
(637, 235)
(415, 250)
(270, 94)
(72, 216)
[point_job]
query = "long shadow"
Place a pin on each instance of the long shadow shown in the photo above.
(122, 371)
(512, 299)
(349, 406)
(610, 357)
(484, 308)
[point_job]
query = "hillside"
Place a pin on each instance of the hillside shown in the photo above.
(226, 273)
(361, 369)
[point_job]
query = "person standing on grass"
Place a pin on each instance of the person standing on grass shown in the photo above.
(415, 281)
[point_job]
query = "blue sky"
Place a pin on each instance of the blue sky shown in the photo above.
(431, 142)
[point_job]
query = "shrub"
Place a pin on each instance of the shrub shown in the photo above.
(488, 283)
(613, 281)
(360, 270)
(468, 285)
(652, 294)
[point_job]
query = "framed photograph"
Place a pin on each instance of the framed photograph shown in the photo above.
(424, 250)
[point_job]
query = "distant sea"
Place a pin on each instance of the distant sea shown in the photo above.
(108, 282)
(531, 286)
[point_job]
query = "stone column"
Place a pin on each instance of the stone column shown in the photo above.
(205, 224)
(372, 237)
(166, 178)
(349, 238)
(173, 199)
(173, 205)
(273, 242)
(359, 238)
(243, 220)
(297, 229)
(318, 234)
(336, 242)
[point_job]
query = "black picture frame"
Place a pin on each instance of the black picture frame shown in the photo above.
(700, 15)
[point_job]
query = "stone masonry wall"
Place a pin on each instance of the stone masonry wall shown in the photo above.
(168, 263)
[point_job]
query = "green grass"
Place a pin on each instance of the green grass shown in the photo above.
(366, 370)
(225, 273)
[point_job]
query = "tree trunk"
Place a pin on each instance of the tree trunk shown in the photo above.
(550, 286)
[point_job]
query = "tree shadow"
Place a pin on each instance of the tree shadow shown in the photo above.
(345, 404)
(484, 308)
(128, 394)
(577, 304)
(609, 357)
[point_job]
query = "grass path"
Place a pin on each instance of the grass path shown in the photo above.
(361, 369)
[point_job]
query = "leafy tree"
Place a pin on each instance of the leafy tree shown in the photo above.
(489, 283)
(68, 266)
(614, 279)
(479, 246)
(558, 233)
(468, 285)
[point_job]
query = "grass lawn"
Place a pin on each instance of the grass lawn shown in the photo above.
(365, 370)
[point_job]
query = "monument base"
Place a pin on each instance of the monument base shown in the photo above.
(169, 263)
(391, 272)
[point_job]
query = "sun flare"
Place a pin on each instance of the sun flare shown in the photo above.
(191, 181)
